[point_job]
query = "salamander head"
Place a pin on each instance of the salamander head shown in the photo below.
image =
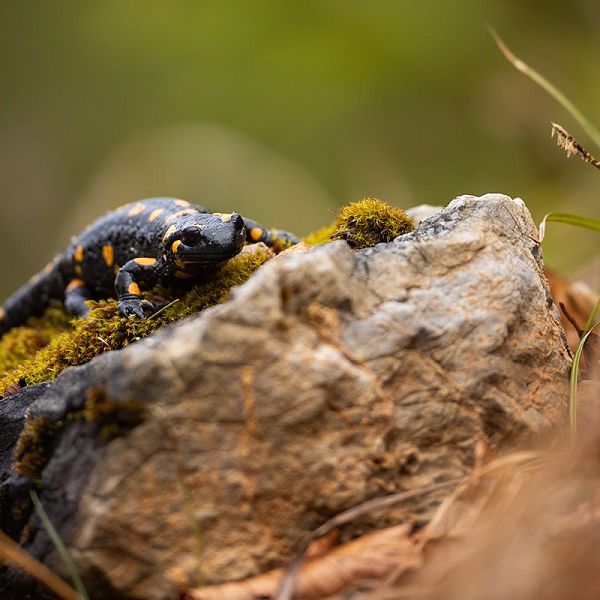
(205, 239)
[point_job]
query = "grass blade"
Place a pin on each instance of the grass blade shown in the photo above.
(592, 317)
(579, 221)
(58, 544)
(553, 91)
(573, 383)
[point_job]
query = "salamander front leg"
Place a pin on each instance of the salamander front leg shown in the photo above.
(130, 303)
(255, 232)
(75, 296)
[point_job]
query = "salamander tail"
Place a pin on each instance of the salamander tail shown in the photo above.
(32, 298)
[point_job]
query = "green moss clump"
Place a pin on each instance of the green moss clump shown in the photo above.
(21, 343)
(321, 236)
(104, 330)
(34, 445)
(365, 223)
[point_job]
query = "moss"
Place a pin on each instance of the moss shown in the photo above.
(321, 236)
(42, 349)
(34, 445)
(365, 223)
(21, 343)
(112, 416)
(78, 341)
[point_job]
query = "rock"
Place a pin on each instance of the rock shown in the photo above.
(329, 378)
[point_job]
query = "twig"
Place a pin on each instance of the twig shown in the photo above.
(286, 587)
(161, 310)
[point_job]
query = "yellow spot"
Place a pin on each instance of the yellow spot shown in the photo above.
(155, 214)
(175, 245)
(181, 213)
(183, 275)
(108, 255)
(182, 203)
(169, 231)
(134, 288)
(145, 262)
(2, 314)
(78, 270)
(35, 278)
(256, 233)
(48, 268)
(74, 283)
(225, 217)
(136, 209)
(78, 254)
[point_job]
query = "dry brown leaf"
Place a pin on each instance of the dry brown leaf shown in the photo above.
(578, 300)
(372, 556)
(528, 529)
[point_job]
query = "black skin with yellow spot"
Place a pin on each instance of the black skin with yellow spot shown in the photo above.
(136, 246)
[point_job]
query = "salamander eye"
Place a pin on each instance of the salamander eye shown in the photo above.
(191, 236)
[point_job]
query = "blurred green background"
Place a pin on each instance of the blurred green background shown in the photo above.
(284, 111)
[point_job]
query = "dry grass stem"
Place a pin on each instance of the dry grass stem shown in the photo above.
(571, 146)
(11, 553)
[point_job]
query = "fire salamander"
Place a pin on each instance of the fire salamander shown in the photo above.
(134, 247)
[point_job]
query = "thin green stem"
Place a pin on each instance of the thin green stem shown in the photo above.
(592, 317)
(58, 544)
(573, 383)
(553, 91)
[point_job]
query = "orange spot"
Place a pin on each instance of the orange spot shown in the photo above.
(108, 255)
(155, 214)
(145, 262)
(175, 245)
(182, 203)
(181, 213)
(74, 283)
(2, 314)
(116, 269)
(134, 288)
(136, 209)
(256, 233)
(35, 278)
(48, 268)
(183, 275)
(78, 254)
(78, 270)
(169, 231)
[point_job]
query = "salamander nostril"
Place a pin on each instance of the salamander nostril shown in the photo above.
(238, 222)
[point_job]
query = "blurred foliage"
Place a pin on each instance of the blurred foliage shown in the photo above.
(285, 111)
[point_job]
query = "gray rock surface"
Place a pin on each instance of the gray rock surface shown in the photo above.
(331, 377)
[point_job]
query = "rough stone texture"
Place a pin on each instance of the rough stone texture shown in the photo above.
(331, 377)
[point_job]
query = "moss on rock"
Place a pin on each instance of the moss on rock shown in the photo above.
(44, 347)
(33, 446)
(48, 345)
(365, 223)
(111, 416)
